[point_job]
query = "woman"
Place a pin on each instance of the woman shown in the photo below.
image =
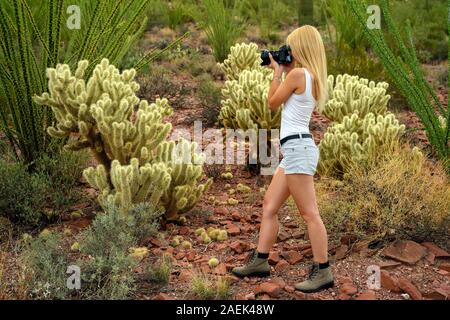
(304, 88)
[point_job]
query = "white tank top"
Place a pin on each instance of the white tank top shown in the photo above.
(297, 110)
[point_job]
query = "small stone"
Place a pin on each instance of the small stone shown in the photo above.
(343, 296)
(278, 281)
(348, 289)
(184, 276)
(444, 266)
(250, 296)
(293, 257)
(438, 294)
(406, 286)
(389, 264)
(297, 234)
(300, 295)
(272, 289)
(162, 296)
(443, 272)
(190, 256)
(283, 236)
(282, 265)
(180, 255)
(221, 211)
(235, 215)
(341, 252)
(438, 252)
(233, 230)
(221, 269)
(274, 258)
(388, 282)
(406, 251)
(184, 231)
(236, 246)
(367, 295)
(289, 289)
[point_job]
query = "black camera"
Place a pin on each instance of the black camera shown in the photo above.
(282, 56)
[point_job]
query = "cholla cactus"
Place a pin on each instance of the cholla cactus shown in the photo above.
(357, 141)
(136, 163)
(242, 57)
(245, 104)
(352, 94)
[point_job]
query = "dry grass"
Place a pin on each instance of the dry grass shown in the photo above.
(400, 197)
(205, 287)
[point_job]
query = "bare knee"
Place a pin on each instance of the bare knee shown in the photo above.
(311, 215)
(269, 209)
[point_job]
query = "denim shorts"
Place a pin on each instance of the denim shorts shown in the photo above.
(300, 156)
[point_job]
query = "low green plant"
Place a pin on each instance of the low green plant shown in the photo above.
(23, 195)
(205, 287)
(399, 197)
(161, 270)
(46, 259)
(222, 26)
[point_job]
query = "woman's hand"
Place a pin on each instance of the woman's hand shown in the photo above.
(273, 64)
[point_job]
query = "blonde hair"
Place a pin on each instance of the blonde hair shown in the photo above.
(308, 50)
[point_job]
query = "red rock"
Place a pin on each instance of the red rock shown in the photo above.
(180, 255)
(235, 215)
(444, 266)
(282, 265)
(246, 228)
(190, 256)
(405, 251)
(184, 276)
(307, 252)
(274, 258)
(297, 234)
(232, 279)
(221, 269)
(389, 264)
(348, 289)
(162, 296)
(341, 252)
(221, 246)
(438, 252)
(343, 280)
(291, 224)
(388, 282)
(155, 242)
(289, 289)
(430, 257)
(300, 295)
(367, 295)
(443, 272)
(293, 257)
(237, 246)
(233, 230)
(343, 296)
(184, 231)
(250, 296)
(265, 297)
(278, 281)
(205, 268)
(438, 294)
(283, 236)
(406, 286)
(221, 211)
(272, 289)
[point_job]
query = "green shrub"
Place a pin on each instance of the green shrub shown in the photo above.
(23, 195)
(222, 26)
(205, 287)
(161, 270)
(400, 197)
(46, 259)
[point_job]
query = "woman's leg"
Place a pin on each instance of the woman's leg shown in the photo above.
(301, 187)
(275, 196)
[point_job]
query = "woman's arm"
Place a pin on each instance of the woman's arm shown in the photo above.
(281, 90)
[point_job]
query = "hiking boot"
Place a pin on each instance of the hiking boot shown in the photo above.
(318, 279)
(255, 267)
